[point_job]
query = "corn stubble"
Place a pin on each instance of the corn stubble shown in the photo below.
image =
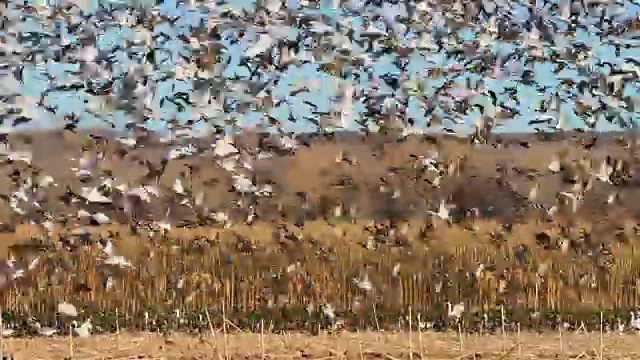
(254, 277)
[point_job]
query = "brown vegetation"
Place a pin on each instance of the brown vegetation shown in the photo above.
(252, 275)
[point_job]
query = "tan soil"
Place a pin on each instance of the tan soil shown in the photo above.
(343, 346)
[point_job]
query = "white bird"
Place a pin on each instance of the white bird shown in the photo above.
(575, 199)
(328, 311)
(372, 32)
(263, 44)
(345, 107)
(430, 164)
(621, 326)
(83, 330)
(141, 191)
(243, 184)
(178, 187)
(289, 142)
(24, 156)
(396, 270)
(19, 273)
(93, 195)
(46, 181)
(127, 141)
(224, 147)
(117, 260)
(320, 27)
(44, 330)
(604, 173)
(101, 218)
(6, 332)
(443, 212)
(67, 309)
(112, 259)
(363, 283)
(565, 245)
(220, 217)
(555, 166)
(563, 121)
(455, 310)
(533, 193)
(491, 26)
(108, 283)
(635, 322)
(181, 152)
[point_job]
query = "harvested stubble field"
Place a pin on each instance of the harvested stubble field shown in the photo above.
(280, 281)
(345, 346)
(288, 264)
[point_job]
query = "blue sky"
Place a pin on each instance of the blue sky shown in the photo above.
(327, 84)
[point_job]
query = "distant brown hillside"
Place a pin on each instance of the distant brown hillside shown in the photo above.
(495, 178)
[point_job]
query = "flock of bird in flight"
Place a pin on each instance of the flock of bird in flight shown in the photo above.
(447, 66)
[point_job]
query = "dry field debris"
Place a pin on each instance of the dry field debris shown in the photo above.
(363, 345)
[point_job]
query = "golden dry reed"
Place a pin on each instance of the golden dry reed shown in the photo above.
(255, 276)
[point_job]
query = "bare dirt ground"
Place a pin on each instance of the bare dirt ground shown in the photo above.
(343, 346)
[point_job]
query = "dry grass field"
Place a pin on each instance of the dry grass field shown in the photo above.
(254, 276)
(345, 346)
